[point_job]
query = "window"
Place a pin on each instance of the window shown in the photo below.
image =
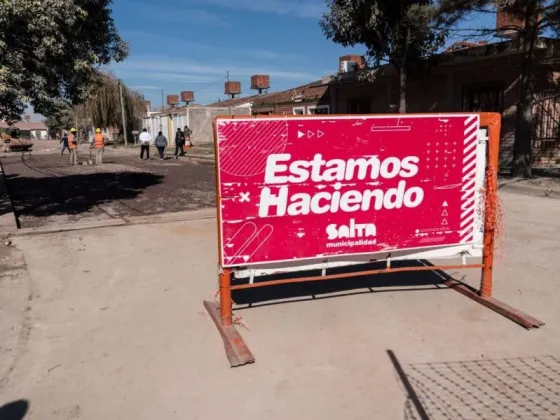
(300, 110)
(483, 98)
(359, 106)
(318, 109)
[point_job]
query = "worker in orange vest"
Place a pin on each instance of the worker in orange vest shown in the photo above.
(99, 144)
(73, 146)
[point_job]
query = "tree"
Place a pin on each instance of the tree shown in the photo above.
(537, 16)
(50, 51)
(393, 31)
(62, 119)
(102, 108)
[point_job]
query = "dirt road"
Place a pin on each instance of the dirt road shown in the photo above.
(46, 191)
(111, 326)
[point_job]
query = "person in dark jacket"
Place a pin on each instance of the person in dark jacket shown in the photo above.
(161, 144)
(179, 143)
(64, 142)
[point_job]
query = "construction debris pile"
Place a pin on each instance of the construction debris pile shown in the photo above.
(10, 144)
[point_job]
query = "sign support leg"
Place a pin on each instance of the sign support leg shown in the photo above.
(484, 296)
(490, 216)
(226, 307)
(236, 350)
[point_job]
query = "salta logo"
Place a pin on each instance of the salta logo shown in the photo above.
(353, 230)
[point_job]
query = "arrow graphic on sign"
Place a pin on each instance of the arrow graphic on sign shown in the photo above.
(320, 134)
(300, 134)
(445, 204)
(310, 134)
(444, 222)
(444, 214)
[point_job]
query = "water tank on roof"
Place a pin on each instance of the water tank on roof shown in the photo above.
(172, 100)
(260, 82)
(232, 88)
(187, 96)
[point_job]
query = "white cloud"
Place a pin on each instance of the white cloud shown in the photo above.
(189, 17)
(176, 69)
(143, 87)
(191, 46)
(298, 8)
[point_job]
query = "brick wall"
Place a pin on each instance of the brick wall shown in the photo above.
(443, 89)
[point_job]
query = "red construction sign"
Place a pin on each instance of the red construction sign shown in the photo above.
(311, 188)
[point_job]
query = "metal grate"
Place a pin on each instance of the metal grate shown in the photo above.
(521, 388)
(546, 121)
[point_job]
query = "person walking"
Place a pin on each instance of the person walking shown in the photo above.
(161, 144)
(64, 142)
(99, 144)
(145, 139)
(188, 142)
(73, 146)
(179, 143)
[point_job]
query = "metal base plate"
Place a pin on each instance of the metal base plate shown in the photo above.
(236, 350)
(502, 308)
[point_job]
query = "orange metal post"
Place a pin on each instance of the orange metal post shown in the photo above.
(493, 121)
(225, 297)
(236, 350)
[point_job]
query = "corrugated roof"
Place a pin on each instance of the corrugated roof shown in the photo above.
(269, 98)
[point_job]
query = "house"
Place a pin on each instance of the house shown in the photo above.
(27, 129)
(311, 98)
(198, 118)
(470, 78)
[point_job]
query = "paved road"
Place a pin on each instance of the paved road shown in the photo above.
(111, 326)
(47, 191)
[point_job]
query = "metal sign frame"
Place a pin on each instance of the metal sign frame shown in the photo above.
(222, 313)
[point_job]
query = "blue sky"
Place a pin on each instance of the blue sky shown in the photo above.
(190, 45)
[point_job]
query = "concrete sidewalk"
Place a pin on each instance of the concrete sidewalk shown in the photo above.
(538, 187)
(115, 329)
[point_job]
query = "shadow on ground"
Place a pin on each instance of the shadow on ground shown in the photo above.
(312, 290)
(5, 202)
(516, 388)
(15, 410)
(75, 194)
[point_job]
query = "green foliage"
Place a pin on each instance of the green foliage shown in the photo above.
(538, 17)
(50, 52)
(62, 119)
(397, 31)
(103, 108)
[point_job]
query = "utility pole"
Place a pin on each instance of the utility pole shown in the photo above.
(162, 108)
(123, 115)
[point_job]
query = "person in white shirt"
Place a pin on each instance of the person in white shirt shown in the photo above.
(145, 139)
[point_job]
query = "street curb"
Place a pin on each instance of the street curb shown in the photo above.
(514, 187)
(195, 156)
(130, 221)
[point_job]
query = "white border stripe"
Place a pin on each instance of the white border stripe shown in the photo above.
(466, 212)
(471, 119)
(467, 220)
(469, 157)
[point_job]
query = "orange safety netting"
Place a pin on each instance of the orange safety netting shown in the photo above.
(495, 216)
